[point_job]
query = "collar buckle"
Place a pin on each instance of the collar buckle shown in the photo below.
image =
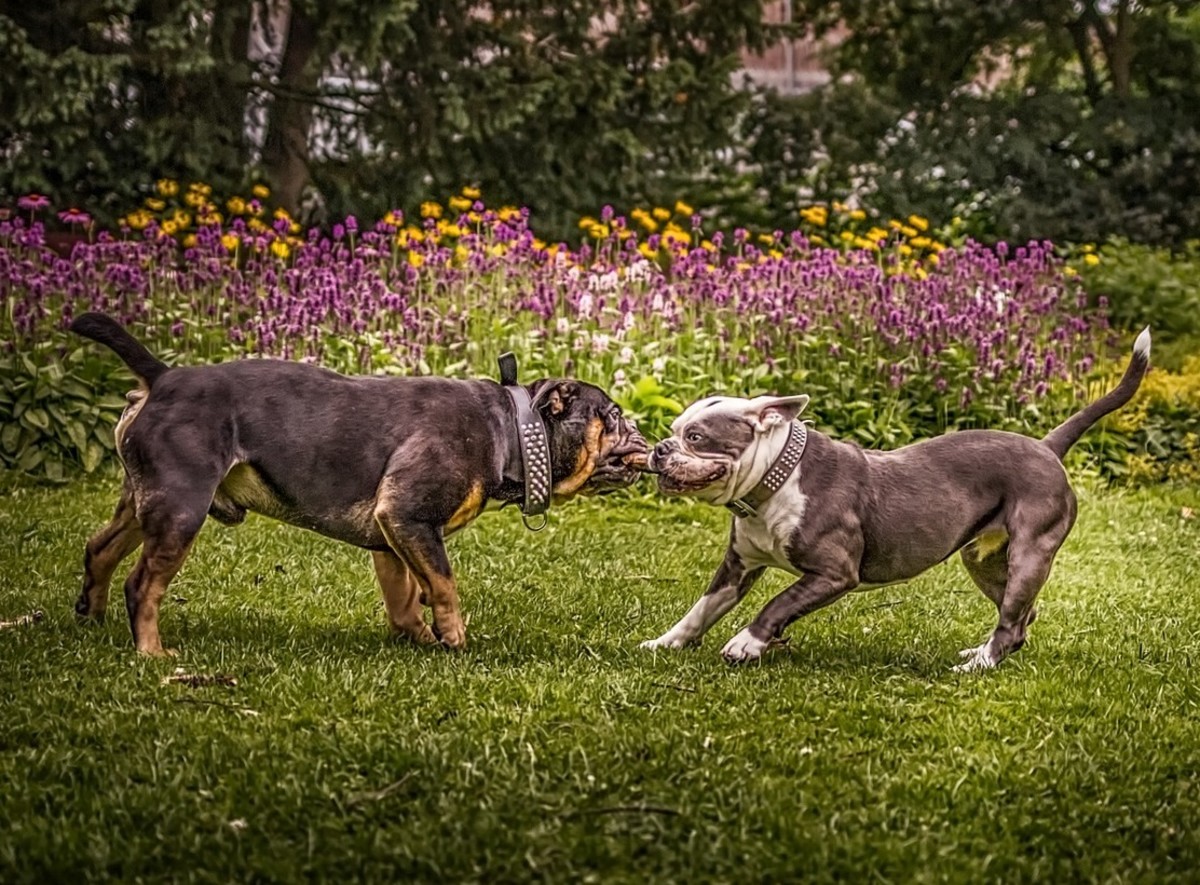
(741, 509)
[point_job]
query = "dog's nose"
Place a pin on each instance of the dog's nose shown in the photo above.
(665, 448)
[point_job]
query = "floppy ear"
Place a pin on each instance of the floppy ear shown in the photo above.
(556, 397)
(766, 412)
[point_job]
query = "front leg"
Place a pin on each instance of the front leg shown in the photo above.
(731, 582)
(421, 547)
(810, 593)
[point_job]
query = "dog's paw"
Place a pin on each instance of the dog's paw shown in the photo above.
(667, 641)
(980, 658)
(744, 647)
(452, 635)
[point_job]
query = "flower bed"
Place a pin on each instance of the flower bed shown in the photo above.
(892, 342)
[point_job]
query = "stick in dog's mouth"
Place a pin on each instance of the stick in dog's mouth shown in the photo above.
(640, 461)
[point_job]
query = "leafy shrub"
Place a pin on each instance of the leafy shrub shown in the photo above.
(1145, 285)
(58, 410)
(1160, 429)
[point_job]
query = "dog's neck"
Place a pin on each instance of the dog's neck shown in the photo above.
(755, 462)
(512, 467)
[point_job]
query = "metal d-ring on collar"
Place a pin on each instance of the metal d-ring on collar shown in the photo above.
(535, 447)
(773, 479)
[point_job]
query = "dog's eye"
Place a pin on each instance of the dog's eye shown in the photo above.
(695, 437)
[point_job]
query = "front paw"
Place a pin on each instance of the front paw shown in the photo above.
(452, 633)
(667, 640)
(744, 647)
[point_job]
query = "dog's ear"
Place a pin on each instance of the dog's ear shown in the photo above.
(556, 397)
(766, 412)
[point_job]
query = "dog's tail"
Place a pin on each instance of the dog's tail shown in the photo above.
(110, 333)
(1065, 435)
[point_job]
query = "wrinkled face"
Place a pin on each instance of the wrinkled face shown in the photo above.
(711, 443)
(593, 447)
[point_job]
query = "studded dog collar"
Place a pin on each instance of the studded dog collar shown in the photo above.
(773, 479)
(535, 446)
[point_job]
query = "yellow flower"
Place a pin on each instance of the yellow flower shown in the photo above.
(257, 225)
(587, 221)
(682, 208)
(154, 204)
(864, 243)
(661, 214)
(281, 249)
(876, 234)
(197, 187)
(471, 193)
(261, 191)
(167, 187)
(169, 227)
(817, 215)
(282, 213)
(394, 218)
(458, 204)
(646, 250)
(189, 242)
(194, 198)
(920, 242)
(416, 259)
(857, 215)
(429, 209)
(766, 239)
(908, 231)
(921, 224)
(230, 242)
(1070, 271)
(642, 217)
(236, 205)
(294, 227)
(933, 259)
(212, 217)
(598, 231)
(1091, 259)
(181, 219)
(508, 213)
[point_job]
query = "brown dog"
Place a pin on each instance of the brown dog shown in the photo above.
(388, 464)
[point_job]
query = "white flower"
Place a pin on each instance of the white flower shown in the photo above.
(656, 303)
(619, 378)
(586, 303)
(563, 326)
(625, 357)
(600, 343)
(628, 322)
(659, 365)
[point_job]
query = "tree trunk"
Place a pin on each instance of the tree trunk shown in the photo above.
(230, 47)
(285, 150)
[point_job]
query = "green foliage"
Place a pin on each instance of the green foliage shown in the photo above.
(560, 107)
(1068, 121)
(1145, 285)
(1160, 430)
(58, 410)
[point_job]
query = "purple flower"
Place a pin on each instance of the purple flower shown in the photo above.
(33, 202)
(74, 216)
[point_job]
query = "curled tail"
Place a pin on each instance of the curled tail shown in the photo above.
(111, 334)
(1065, 435)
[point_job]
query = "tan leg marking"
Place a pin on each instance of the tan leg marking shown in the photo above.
(470, 508)
(102, 555)
(144, 591)
(401, 597)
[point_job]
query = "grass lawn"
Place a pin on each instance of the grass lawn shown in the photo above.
(554, 748)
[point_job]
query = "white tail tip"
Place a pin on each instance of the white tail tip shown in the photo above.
(1142, 344)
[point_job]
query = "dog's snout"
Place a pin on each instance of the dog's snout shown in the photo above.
(666, 447)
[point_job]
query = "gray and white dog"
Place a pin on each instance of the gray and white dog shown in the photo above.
(844, 518)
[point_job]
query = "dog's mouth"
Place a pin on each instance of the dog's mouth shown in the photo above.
(678, 482)
(618, 472)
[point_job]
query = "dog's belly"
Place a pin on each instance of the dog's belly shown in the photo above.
(244, 489)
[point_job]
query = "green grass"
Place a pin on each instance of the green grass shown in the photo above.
(554, 748)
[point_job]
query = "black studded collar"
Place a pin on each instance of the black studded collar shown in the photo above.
(535, 446)
(773, 480)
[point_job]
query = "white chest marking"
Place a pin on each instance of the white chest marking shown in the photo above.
(763, 540)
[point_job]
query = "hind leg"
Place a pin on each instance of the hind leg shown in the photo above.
(401, 597)
(103, 553)
(1030, 557)
(170, 523)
